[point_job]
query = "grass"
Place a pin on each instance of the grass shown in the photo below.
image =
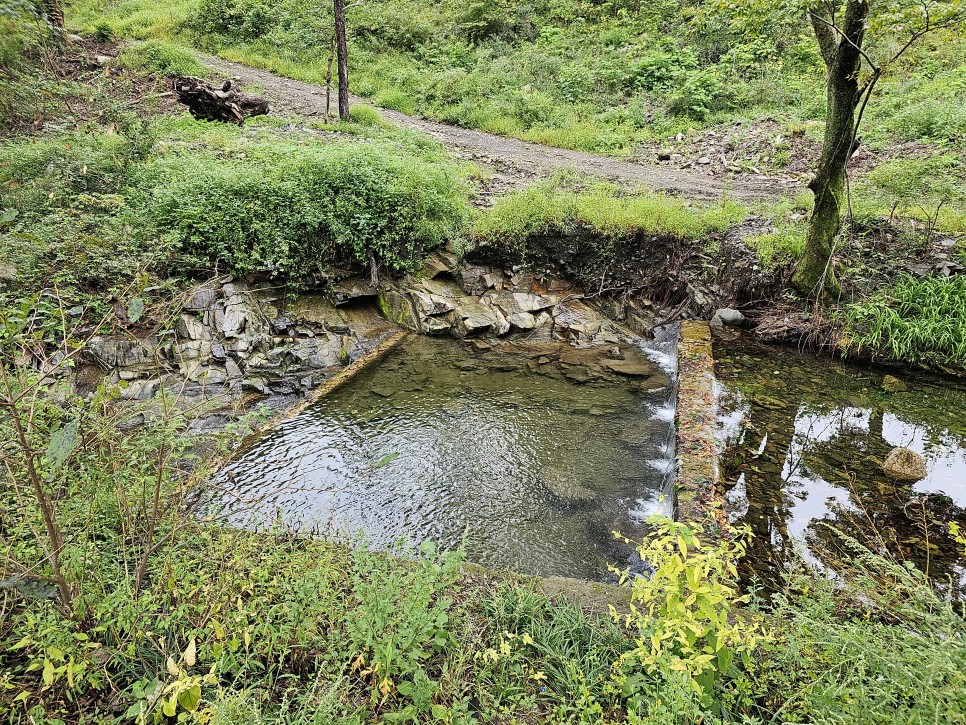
(174, 615)
(162, 58)
(782, 244)
(584, 75)
(916, 320)
(232, 626)
(550, 208)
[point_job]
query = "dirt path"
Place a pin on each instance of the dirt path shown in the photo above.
(513, 163)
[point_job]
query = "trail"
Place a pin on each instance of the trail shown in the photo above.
(515, 164)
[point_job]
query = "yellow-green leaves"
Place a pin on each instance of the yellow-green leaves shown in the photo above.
(684, 612)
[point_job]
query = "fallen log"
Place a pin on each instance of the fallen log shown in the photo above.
(210, 103)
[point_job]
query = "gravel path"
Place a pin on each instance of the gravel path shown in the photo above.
(515, 164)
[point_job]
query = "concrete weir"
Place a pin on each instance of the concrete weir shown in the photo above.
(699, 473)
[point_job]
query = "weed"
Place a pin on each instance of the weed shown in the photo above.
(915, 320)
(685, 614)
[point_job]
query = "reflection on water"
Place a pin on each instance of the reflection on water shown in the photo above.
(526, 469)
(810, 449)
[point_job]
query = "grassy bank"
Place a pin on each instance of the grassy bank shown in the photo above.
(87, 211)
(597, 76)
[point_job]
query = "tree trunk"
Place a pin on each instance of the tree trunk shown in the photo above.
(840, 47)
(54, 12)
(342, 53)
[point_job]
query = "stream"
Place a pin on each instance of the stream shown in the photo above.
(527, 465)
(806, 439)
(531, 464)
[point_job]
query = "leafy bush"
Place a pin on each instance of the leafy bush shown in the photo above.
(162, 58)
(181, 194)
(685, 613)
(698, 95)
(292, 210)
(240, 19)
(660, 70)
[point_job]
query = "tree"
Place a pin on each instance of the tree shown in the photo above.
(841, 29)
(53, 12)
(342, 58)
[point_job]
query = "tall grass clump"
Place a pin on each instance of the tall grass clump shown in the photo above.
(549, 208)
(916, 320)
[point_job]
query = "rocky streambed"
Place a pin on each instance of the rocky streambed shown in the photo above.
(524, 422)
(528, 455)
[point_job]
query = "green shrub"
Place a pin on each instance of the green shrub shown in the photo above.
(293, 210)
(47, 173)
(239, 19)
(400, 619)
(162, 58)
(698, 95)
(685, 615)
(92, 207)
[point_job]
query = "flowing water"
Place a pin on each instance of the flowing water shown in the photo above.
(503, 455)
(807, 438)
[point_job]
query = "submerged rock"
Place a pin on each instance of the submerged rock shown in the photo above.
(892, 384)
(905, 465)
(632, 368)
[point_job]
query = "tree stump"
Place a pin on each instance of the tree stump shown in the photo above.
(226, 104)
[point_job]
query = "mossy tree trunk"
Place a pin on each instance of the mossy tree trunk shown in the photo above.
(841, 47)
(54, 12)
(342, 58)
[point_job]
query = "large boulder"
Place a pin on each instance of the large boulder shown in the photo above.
(904, 465)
